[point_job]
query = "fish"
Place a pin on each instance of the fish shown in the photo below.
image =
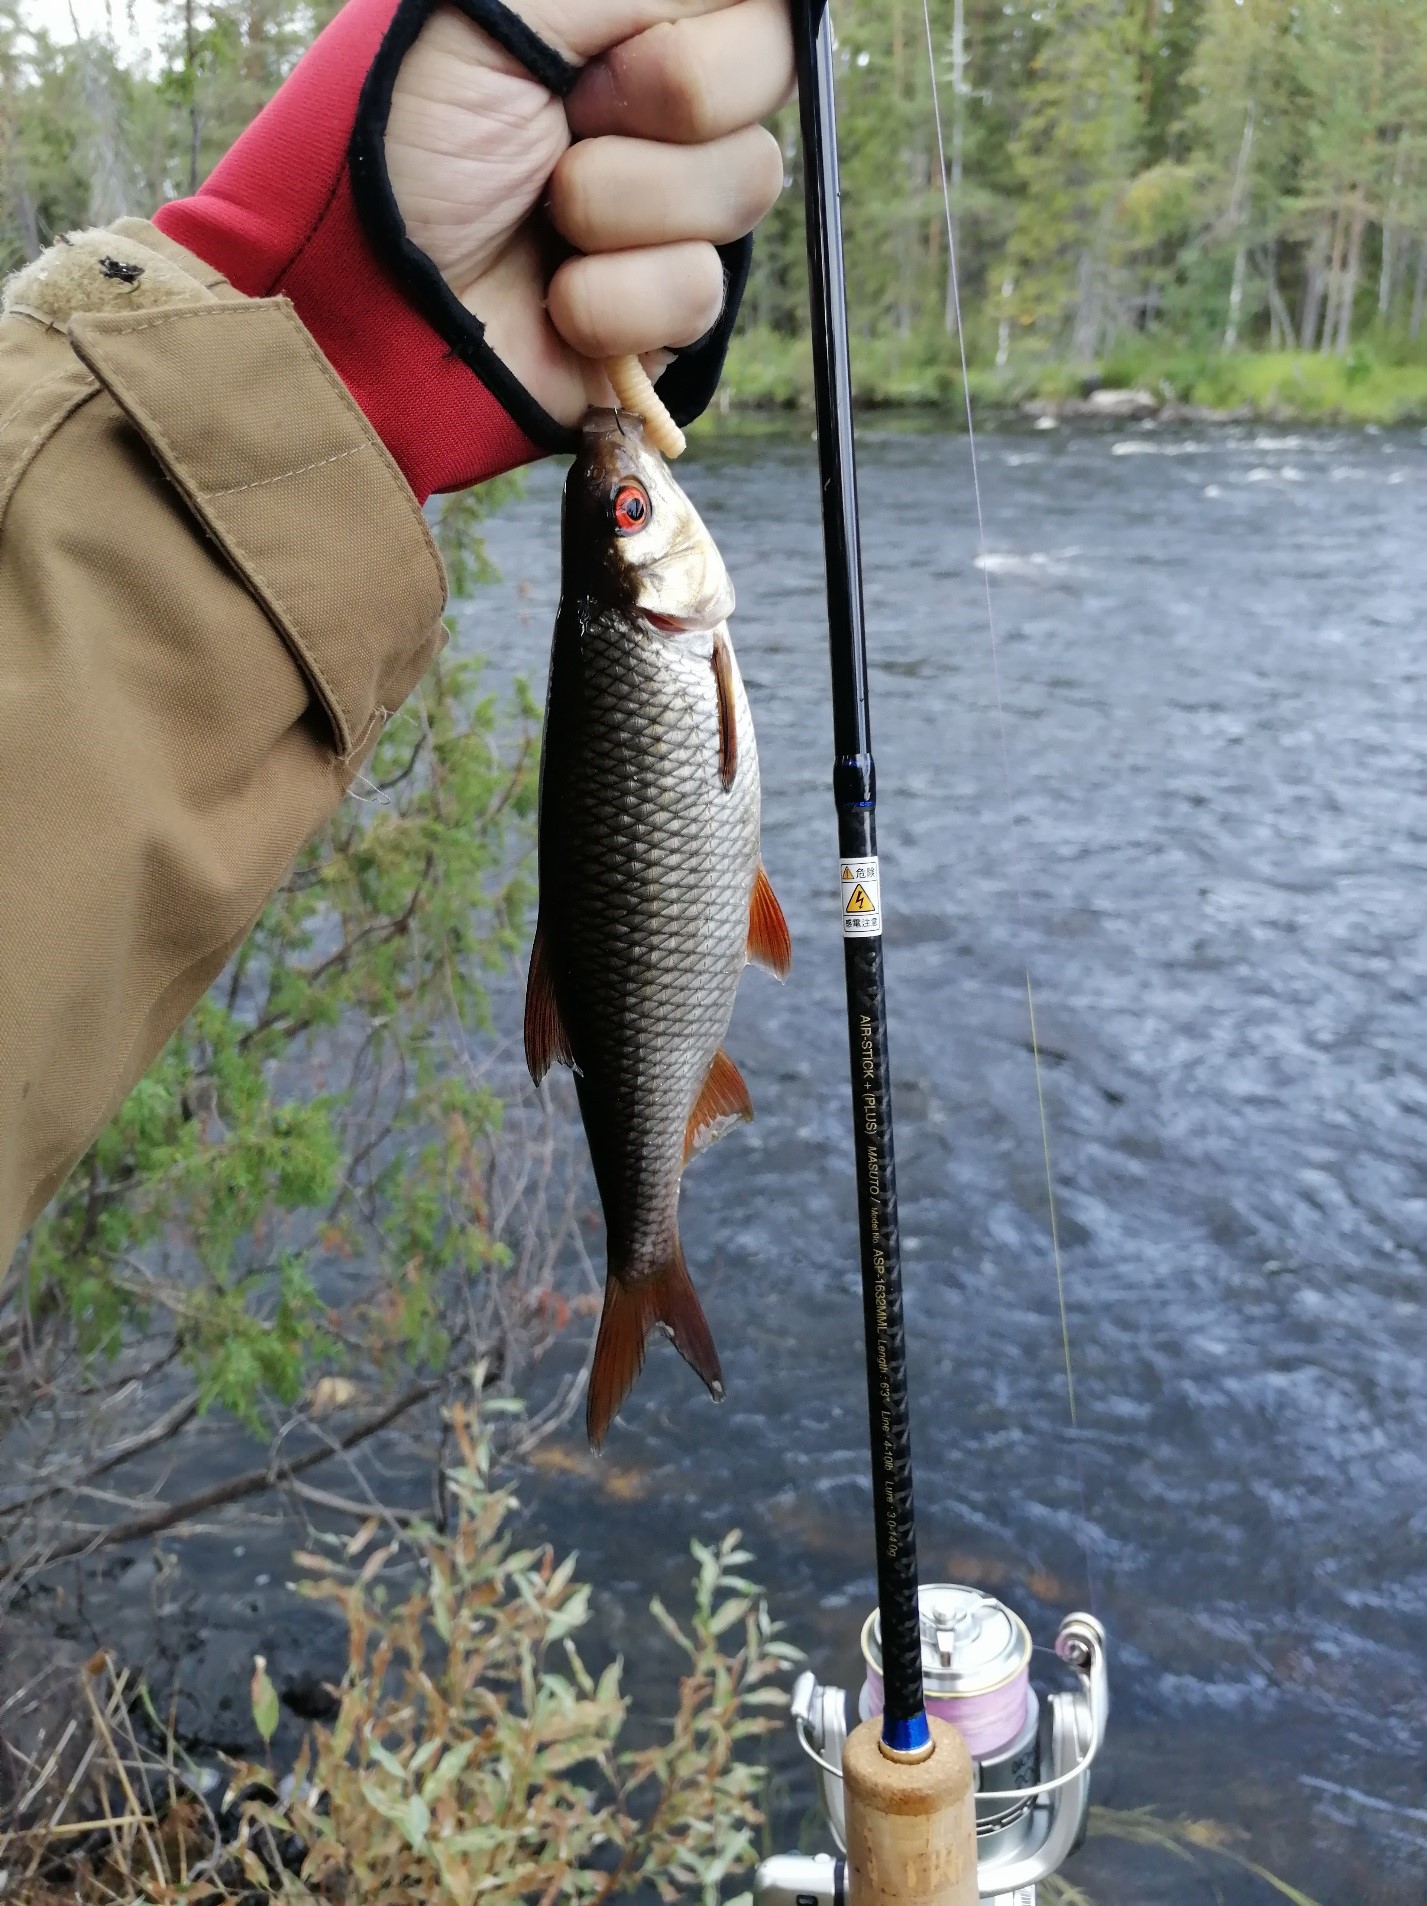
(652, 891)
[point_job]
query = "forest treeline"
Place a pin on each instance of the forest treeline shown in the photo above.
(1220, 176)
(1224, 172)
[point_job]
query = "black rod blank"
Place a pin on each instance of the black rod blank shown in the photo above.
(904, 1722)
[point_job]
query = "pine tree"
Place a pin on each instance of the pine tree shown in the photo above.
(1074, 155)
(223, 61)
(886, 136)
(1168, 37)
(1247, 123)
(19, 221)
(1365, 76)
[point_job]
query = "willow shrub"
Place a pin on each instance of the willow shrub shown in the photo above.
(476, 1757)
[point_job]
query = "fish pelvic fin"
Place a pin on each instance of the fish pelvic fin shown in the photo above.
(631, 1312)
(546, 1041)
(769, 942)
(727, 712)
(723, 1102)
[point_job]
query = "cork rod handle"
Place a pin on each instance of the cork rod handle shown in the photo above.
(911, 1825)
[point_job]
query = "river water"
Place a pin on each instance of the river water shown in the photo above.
(1207, 838)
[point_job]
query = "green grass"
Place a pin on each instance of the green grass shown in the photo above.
(1296, 386)
(770, 372)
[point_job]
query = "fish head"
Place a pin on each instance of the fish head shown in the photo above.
(631, 538)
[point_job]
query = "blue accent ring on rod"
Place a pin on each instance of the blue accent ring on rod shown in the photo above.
(907, 1737)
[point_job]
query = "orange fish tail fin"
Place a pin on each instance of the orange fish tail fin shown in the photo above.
(631, 1312)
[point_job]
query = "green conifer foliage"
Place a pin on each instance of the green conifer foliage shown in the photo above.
(1080, 133)
(1147, 180)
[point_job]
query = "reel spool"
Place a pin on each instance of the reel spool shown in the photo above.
(1032, 1750)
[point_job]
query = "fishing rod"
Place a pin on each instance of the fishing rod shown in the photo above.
(905, 1732)
(928, 1814)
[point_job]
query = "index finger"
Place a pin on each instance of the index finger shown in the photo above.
(582, 30)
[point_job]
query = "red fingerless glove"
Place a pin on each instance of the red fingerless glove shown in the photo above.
(302, 206)
(278, 215)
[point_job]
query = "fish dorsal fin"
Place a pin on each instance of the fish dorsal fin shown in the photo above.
(727, 711)
(632, 1309)
(722, 1104)
(546, 1041)
(769, 942)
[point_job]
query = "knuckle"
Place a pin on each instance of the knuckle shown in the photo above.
(574, 309)
(677, 77)
(704, 291)
(570, 196)
(779, 60)
(763, 179)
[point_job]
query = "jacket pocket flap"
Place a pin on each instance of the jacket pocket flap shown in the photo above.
(251, 423)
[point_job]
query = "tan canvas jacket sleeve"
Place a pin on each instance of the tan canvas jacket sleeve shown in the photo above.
(214, 584)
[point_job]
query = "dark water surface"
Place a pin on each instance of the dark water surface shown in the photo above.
(1215, 686)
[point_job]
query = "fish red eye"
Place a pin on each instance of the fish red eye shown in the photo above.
(631, 509)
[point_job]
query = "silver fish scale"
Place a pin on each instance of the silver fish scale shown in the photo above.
(660, 861)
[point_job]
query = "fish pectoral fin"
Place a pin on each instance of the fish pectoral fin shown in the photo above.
(546, 1041)
(727, 712)
(723, 1102)
(631, 1311)
(769, 942)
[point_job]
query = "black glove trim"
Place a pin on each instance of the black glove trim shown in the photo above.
(689, 383)
(414, 272)
(686, 386)
(537, 56)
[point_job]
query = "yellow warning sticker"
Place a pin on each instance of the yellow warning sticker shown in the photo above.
(861, 899)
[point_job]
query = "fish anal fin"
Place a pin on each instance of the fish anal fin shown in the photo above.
(546, 1041)
(727, 711)
(723, 1102)
(769, 942)
(632, 1309)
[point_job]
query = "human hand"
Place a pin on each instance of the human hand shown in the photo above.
(654, 159)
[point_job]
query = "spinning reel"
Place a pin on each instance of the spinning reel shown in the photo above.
(1032, 1750)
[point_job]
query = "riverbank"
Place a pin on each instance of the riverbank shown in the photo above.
(770, 372)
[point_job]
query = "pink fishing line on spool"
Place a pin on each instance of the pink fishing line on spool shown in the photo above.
(976, 1664)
